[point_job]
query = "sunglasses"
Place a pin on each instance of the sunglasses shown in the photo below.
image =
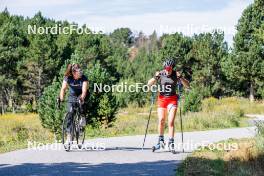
(168, 68)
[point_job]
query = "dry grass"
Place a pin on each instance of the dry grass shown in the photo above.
(215, 114)
(17, 129)
(234, 104)
(247, 160)
(224, 113)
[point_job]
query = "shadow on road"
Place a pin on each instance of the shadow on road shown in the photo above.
(69, 169)
(126, 149)
(111, 149)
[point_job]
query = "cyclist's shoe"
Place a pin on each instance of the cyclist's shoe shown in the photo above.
(159, 145)
(67, 144)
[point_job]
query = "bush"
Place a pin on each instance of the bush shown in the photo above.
(50, 116)
(102, 106)
(125, 98)
(192, 101)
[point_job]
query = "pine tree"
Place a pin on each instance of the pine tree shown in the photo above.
(12, 48)
(246, 62)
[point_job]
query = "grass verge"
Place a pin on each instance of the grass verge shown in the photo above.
(215, 114)
(17, 129)
(245, 160)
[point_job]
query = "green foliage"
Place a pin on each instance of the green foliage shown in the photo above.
(12, 47)
(30, 62)
(245, 64)
(192, 101)
(51, 117)
(123, 36)
(144, 66)
(205, 56)
(125, 98)
(175, 46)
(102, 106)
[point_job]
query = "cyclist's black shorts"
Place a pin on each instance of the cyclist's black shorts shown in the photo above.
(73, 100)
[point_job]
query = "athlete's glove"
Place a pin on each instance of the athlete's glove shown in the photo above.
(157, 76)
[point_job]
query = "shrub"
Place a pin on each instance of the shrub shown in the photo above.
(209, 104)
(50, 116)
(192, 101)
(124, 98)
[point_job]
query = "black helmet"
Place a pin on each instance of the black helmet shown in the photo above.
(169, 63)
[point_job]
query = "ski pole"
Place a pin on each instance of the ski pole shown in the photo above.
(181, 118)
(152, 102)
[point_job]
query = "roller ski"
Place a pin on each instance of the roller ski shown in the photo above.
(160, 146)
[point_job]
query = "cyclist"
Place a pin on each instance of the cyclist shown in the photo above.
(169, 79)
(78, 84)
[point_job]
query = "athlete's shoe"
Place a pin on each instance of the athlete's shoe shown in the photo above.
(171, 146)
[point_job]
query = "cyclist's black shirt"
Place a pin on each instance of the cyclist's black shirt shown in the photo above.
(75, 85)
(166, 80)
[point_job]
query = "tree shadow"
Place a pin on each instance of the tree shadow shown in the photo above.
(69, 168)
(90, 149)
(126, 149)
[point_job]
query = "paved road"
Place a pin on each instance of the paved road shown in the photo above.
(122, 156)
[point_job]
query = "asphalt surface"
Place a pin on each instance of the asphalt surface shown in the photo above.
(114, 156)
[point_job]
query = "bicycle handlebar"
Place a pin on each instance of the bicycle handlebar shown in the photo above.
(58, 102)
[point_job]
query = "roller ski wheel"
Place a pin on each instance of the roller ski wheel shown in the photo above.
(159, 146)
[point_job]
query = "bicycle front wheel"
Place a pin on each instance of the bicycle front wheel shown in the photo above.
(80, 132)
(64, 129)
(64, 126)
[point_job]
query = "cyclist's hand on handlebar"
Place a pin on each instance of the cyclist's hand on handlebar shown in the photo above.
(81, 101)
(81, 98)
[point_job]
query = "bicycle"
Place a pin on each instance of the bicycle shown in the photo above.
(76, 131)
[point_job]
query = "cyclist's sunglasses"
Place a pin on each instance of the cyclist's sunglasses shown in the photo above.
(76, 69)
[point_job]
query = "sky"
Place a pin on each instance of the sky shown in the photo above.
(163, 16)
